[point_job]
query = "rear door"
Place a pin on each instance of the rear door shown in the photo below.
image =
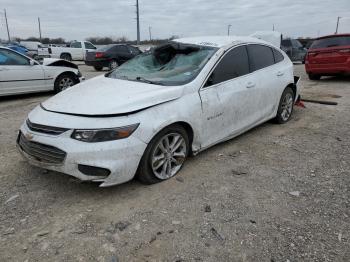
(269, 79)
(17, 75)
(228, 98)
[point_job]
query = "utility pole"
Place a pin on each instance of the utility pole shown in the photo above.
(336, 30)
(150, 33)
(228, 29)
(7, 26)
(39, 28)
(138, 21)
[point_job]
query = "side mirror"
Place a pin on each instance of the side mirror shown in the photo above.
(32, 62)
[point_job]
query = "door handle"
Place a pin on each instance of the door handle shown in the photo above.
(250, 85)
(279, 73)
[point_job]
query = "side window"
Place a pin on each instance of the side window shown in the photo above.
(88, 45)
(260, 56)
(134, 50)
(233, 64)
(76, 45)
(277, 55)
(286, 43)
(11, 58)
(123, 49)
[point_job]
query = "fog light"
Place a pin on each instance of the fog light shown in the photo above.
(93, 170)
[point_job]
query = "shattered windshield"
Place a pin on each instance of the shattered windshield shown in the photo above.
(169, 64)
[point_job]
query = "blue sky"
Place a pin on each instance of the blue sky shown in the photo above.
(78, 19)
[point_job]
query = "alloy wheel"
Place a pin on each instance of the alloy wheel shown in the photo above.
(287, 106)
(168, 156)
(65, 83)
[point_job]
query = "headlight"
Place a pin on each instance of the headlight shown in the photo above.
(101, 135)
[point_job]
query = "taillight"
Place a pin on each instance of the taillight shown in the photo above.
(344, 50)
(99, 54)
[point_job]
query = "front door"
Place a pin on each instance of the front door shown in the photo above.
(18, 75)
(228, 98)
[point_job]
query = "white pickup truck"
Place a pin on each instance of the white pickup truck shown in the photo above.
(75, 51)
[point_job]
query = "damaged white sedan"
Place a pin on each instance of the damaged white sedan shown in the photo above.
(20, 74)
(148, 115)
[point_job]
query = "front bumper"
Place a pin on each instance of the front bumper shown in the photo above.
(120, 157)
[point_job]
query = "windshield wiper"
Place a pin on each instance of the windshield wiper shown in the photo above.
(142, 79)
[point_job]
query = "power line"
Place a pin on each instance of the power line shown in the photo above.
(7, 26)
(39, 28)
(138, 21)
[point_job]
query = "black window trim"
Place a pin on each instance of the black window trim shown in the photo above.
(250, 72)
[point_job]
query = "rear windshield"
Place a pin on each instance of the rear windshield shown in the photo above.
(169, 64)
(331, 42)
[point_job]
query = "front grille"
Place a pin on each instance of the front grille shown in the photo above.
(41, 152)
(51, 130)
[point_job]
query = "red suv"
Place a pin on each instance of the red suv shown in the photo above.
(328, 56)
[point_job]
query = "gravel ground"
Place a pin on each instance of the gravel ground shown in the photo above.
(276, 193)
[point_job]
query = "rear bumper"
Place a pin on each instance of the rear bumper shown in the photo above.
(96, 62)
(327, 69)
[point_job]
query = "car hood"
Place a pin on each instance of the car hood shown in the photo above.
(102, 96)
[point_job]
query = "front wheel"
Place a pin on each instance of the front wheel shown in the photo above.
(285, 107)
(164, 155)
(63, 82)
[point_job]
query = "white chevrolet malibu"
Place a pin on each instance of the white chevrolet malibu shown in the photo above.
(148, 115)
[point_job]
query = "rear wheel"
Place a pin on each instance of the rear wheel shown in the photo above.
(98, 68)
(63, 82)
(285, 107)
(67, 57)
(164, 155)
(113, 64)
(314, 77)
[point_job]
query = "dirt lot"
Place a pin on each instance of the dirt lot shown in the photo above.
(276, 193)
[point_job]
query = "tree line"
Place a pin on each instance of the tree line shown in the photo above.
(95, 40)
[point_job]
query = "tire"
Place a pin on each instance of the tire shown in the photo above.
(113, 64)
(285, 107)
(64, 81)
(98, 68)
(67, 57)
(148, 172)
(314, 77)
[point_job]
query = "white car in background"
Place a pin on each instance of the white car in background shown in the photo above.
(20, 74)
(149, 114)
(75, 51)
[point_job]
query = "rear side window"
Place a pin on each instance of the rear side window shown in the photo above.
(233, 64)
(121, 49)
(277, 55)
(331, 42)
(260, 57)
(75, 45)
(286, 43)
